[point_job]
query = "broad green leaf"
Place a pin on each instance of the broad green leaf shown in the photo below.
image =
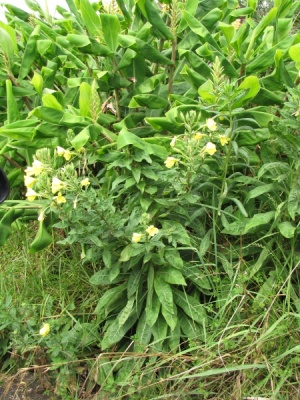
(126, 312)
(37, 82)
(159, 330)
(171, 275)
(171, 318)
(258, 191)
(172, 256)
(259, 262)
(293, 197)
(41, 240)
(143, 334)
(287, 229)
(131, 250)
(252, 87)
(152, 15)
(109, 296)
(50, 101)
(192, 307)
(102, 278)
(133, 280)
(164, 293)
(85, 95)
(115, 333)
(148, 100)
(19, 130)
(81, 139)
(78, 40)
(7, 45)
(110, 30)
(152, 310)
(91, 19)
(258, 220)
(205, 243)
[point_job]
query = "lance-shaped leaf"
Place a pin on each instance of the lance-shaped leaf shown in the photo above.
(30, 53)
(12, 106)
(152, 15)
(110, 29)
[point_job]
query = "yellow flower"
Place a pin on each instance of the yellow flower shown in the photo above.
(38, 167)
(173, 141)
(198, 136)
(63, 153)
(236, 24)
(136, 237)
(85, 182)
(31, 194)
(152, 231)
(224, 140)
(45, 329)
(210, 148)
(170, 162)
(60, 198)
(60, 151)
(41, 217)
(67, 155)
(57, 185)
(211, 124)
(29, 181)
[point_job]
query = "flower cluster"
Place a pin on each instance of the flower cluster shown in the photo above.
(44, 181)
(151, 230)
(205, 138)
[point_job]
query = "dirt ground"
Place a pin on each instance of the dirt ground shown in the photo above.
(23, 386)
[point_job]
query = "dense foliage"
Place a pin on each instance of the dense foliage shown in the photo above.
(162, 139)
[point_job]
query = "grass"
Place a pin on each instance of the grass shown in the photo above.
(249, 349)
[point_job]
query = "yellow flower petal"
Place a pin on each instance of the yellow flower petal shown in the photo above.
(60, 199)
(211, 124)
(29, 181)
(210, 148)
(152, 231)
(31, 194)
(198, 136)
(170, 162)
(38, 167)
(224, 140)
(136, 237)
(45, 329)
(85, 182)
(57, 185)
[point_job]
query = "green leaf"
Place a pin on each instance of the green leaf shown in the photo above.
(152, 310)
(126, 312)
(258, 220)
(152, 15)
(91, 19)
(37, 82)
(109, 296)
(81, 139)
(5, 224)
(78, 40)
(192, 307)
(252, 86)
(115, 333)
(50, 101)
(7, 45)
(287, 229)
(131, 250)
(143, 335)
(164, 293)
(171, 318)
(85, 95)
(171, 275)
(258, 191)
(41, 240)
(293, 198)
(13, 114)
(110, 29)
(148, 100)
(29, 55)
(172, 256)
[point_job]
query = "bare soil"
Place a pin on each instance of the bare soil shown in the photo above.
(23, 386)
